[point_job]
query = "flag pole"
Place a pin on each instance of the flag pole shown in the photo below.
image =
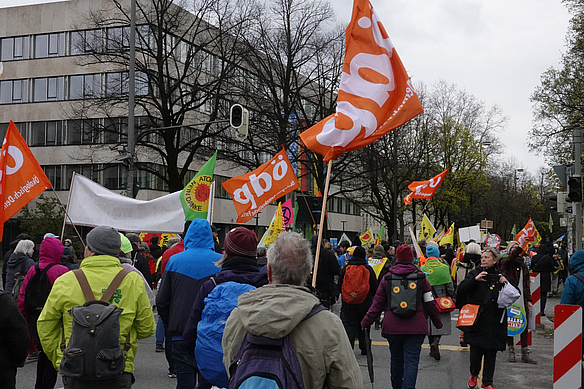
(67, 211)
(211, 203)
(322, 216)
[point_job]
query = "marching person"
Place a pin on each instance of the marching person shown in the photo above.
(489, 335)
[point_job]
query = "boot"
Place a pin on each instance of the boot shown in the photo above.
(511, 354)
(526, 356)
(435, 350)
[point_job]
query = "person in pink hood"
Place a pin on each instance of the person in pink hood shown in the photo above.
(51, 252)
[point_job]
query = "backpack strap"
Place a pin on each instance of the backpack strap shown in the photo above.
(84, 284)
(579, 276)
(109, 292)
(316, 309)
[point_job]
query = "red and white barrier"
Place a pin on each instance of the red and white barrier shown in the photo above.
(536, 296)
(567, 347)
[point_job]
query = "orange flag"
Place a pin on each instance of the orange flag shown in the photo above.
(21, 177)
(425, 189)
(251, 192)
(375, 94)
(527, 234)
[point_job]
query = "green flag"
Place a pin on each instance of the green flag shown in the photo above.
(551, 223)
(195, 196)
(514, 231)
(295, 215)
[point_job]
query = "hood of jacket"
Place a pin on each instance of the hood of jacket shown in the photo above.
(51, 250)
(199, 236)
(242, 271)
(16, 259)
(274, 311)
(474, 258)
(403, 268)
(577, 262)
(357, 261)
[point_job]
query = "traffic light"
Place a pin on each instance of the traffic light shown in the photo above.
(575, 189)
(239, 121)
(559, 202)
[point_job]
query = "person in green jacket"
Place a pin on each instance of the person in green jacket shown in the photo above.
(100, 266)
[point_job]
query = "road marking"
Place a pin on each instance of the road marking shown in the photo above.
(442, 347)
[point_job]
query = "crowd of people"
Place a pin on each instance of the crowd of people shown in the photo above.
(218, 307)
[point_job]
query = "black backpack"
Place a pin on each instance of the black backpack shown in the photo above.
(18, 281)
(37, 291)
(94, 350)
(404, 293)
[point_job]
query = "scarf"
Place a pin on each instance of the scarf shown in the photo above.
(436, 272)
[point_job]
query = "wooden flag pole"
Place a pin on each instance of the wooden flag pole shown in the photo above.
(322, 215)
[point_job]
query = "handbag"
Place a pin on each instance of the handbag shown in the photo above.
(507, 296)
(445, 304)
(468, 316)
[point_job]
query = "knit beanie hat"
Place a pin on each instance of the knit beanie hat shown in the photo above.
(104, 240)
(126, 244)
(359, 252)
(241, 241)
(378, 251)
(432, 252)
(404, 254)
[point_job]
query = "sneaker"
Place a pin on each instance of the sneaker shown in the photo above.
(171, 375)
(511, 355)
(488, 387)
(159, 348)
(463, 343)
(472, 381)
(526, 357)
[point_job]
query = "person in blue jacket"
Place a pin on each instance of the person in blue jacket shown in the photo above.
(239, 264)
(184, 275)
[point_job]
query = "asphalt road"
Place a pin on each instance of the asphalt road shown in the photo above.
(450, 372)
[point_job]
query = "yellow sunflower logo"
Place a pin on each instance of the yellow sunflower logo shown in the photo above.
(403, 305)
(412, 285)
(396, 289)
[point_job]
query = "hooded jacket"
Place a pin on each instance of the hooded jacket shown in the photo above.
(328, 268)
(18, 262)
(136, 319)
(14, 337)
(574, 288)
(321, 344)
(184, 275)
(51, 251)
(394, 325)
(237, 269)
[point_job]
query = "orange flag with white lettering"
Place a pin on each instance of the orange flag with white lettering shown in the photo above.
(528, 234)
(424, 189)
(375, 94)
(21, 177)
(253, 191)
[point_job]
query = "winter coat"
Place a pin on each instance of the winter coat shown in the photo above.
(136, 319)
(574, 288)
(394, 325)
(512, 271)
(178, 248)
(372, 280)
(51, 251)
(321, 344)
(18, 263)
(155, 250)
(184, 275)
(127, 264)
(235, 269)
(491, 329)
(68, 260)
(14, 338)
(544, 265)
(328, 268)
(5, 259)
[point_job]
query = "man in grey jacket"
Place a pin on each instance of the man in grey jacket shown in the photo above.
(278, 309)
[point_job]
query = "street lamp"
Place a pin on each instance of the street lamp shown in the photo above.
(515, 181)
(343, 221)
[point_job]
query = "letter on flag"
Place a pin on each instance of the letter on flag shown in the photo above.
(195, 196)
(253, 191)
(425, 189)
(375, 94)
(21, 177)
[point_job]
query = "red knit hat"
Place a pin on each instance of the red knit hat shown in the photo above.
(404, 253)
(241, 241)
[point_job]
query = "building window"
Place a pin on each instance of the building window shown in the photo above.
(53, 173)
(13, 49)
(88, 41)
(74, 130)
(86, 86)
(13, 91)
(46, 133)
(49, 89)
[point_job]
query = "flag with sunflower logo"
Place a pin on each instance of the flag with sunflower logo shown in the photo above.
(195, 196)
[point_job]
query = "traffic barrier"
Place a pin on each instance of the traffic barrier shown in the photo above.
(536, 296)
(567, 347)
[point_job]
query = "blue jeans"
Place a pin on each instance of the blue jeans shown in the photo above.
(159, 331)
(185, 365)
(405, 356)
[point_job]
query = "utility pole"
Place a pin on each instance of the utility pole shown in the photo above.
(131, 100)
(578, 173)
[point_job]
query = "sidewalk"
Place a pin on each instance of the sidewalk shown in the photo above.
(548, 320)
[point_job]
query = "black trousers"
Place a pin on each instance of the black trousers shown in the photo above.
(351, 316)
(46, 374)
(7, 377)
(477, 354)
(124, 381)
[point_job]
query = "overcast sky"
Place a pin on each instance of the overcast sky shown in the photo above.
(495, 50)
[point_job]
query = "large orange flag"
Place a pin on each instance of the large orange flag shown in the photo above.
(424, 189)
(253, 191)
(375, 95)
(527, 234)
(21, 177)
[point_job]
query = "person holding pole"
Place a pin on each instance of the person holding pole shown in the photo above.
(328, 268)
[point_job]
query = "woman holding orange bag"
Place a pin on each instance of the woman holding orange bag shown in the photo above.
(489, 333)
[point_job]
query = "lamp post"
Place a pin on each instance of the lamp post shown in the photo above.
(343, 221)
(515, 180)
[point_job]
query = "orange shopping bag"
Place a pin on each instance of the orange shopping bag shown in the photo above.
(468, 317)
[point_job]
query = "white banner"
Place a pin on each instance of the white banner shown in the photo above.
(93, 205)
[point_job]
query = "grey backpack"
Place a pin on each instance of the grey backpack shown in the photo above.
(94, 350)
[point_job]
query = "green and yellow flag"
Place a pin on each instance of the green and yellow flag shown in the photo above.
(427, 230)
(195, 196)
(448, 236)
(379, 237)
(551, 223)
(276, 227)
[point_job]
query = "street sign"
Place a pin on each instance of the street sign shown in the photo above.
(562, 174)
(487, 224)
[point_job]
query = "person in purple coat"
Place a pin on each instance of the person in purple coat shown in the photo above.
(405, 335)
